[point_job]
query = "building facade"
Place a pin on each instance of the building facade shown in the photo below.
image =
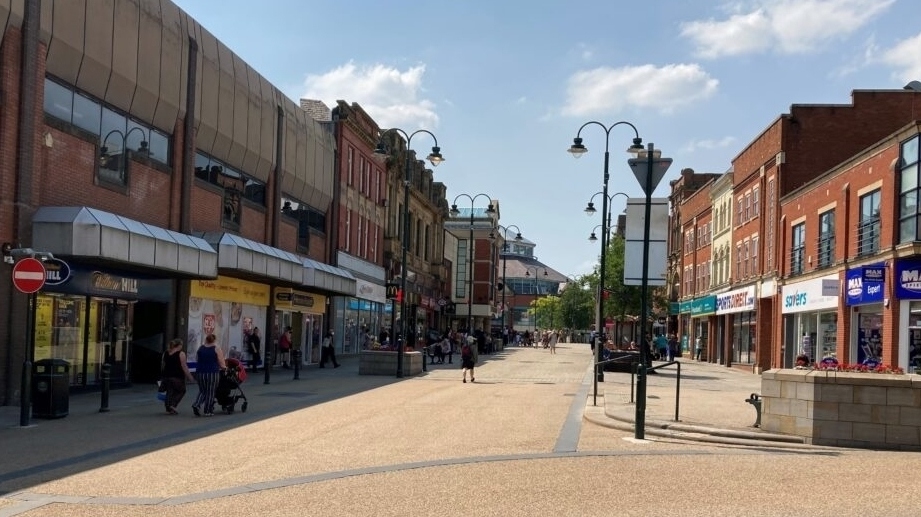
(162, 189)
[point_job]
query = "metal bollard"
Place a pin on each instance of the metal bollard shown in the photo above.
(267, 365)
(640, 426)
(104, 400)
(425, 352)
(296, 359)
(25, 398)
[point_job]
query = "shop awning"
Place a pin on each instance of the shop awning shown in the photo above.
(87, 233)
(328, 278)
(254, 260)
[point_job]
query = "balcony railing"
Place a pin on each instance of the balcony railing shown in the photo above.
(797, 261)
(868, 237)
(826, 250)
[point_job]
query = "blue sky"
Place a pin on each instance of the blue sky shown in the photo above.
(505, 85)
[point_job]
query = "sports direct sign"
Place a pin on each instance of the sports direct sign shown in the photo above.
(739, 300)
(908, 279)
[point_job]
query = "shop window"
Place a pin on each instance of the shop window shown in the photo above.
(307, 217)
(798, 249)
(868, 227)
(235, 186)
(909, 191)
(826, 251)
(121, 138)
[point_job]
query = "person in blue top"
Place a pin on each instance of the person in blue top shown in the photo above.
(210, 364)
(662, 346)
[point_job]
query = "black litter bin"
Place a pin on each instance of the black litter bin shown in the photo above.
(50, 388)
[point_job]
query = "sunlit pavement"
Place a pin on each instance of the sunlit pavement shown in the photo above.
(515, 442)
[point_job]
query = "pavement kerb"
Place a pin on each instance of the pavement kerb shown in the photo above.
(623, 421)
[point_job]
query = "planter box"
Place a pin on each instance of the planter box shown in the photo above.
(377, 362)
(844, 409)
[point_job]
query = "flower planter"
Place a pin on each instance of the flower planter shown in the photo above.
(845, 409)
(384, 362)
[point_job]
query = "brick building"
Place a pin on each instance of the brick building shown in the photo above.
(184, 197)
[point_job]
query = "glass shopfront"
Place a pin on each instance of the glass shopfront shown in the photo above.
(865, 288)
(304, 313)
(739, 306)
(809, 310)
(87, 318)
(907, 281)
(230, 309)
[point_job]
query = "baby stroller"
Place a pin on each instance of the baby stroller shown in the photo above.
(228, 391)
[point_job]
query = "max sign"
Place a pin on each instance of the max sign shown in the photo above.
(908, 279)
(860, 289)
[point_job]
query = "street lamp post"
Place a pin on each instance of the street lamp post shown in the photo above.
(648, 167)
(435, 158)
(577, 149)
(505, 251)
(454, 213)
(527, 273)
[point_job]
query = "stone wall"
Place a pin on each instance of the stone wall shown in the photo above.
(377, 362)
(844, 409)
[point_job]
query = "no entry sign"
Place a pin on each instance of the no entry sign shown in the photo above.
(29, 275)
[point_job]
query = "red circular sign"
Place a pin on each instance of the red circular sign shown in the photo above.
(29, 275)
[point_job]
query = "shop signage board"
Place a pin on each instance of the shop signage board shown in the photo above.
(703, 306)
(29, 275)
(738, 300)
(908, 279)
(229, 289)
(810, 295)
(861, 291)
(57, 272)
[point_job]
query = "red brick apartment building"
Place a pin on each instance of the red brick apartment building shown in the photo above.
(756, 326)
(180, 193)
(852, 260)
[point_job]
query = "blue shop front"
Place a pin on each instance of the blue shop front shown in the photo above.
(864, 294)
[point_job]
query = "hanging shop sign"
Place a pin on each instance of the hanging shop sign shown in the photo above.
(292, 299)
(861, 288)
(739, 300)
(57, 272)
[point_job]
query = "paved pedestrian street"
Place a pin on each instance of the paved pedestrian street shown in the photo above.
(524, 439)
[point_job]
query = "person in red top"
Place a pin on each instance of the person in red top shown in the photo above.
(284, 347)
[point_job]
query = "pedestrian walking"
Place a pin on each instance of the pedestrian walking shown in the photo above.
(328, 351)
(698, 347)
(673, 347)
(554, 337)
(284, 347)
(467, 362)
(661, 347)
(253, 346)
(174, 371)
(210, 363)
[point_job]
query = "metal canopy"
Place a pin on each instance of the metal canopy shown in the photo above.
(89, 233)
(328, 278)
(254, 259)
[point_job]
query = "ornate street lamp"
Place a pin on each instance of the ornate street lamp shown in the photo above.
(435, 158)
(454, 213)
(577, 150)
(505, 250)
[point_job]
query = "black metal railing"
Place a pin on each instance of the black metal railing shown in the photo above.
(797, 259)
(653, 368)
(826, 251)
(868, 236)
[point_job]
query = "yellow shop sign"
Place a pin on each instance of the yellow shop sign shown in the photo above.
(226, 289)
(299, 301)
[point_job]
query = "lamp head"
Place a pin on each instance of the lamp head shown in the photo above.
(381, 150)
(103, 155)
(435, 157)
(490, 209)
(636, 147)
(577, 149)
(590, 209)
(454, 211)
(592, 237)
(518, 237)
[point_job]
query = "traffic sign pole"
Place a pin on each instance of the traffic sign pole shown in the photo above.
(28, 278)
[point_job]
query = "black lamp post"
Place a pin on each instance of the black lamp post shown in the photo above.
(435, 158)
(527, 273)
(577, 150)
(649, 168)
(454, 213)
(505, 250)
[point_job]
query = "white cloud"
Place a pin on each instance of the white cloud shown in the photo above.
(789, 26)
(665, 88)
(709, 144)
(391, 96)
(860, 61)
(905, 57)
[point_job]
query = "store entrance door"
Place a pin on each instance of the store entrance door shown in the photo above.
(113, 331)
